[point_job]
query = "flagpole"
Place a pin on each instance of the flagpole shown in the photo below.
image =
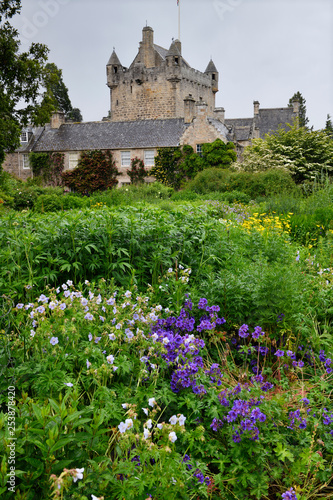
(178, 3)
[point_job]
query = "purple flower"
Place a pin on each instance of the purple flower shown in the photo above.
(257, 333)
(216, 424)
(89, 317)
(305, 401)
(54, 341)
(300, 364)
(243, 331)
(289, 495)
(279, 353)
(202, 304)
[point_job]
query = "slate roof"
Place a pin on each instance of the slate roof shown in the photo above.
(211, 68)
(26, 147)
(239, 128)
(270, 119)
(112, 135)
(221, 128)
(114, 59)
(173, 50)
(161, 50)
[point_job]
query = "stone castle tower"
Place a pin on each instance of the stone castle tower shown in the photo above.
(159, 84)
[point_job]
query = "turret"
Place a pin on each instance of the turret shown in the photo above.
(214, 74)
(114, 69)
(174, 60)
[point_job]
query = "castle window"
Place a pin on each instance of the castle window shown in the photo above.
(149, 158)
(176, 60)
(24, 137)
(73, 160)
(115, 69)
(213, 76)
(199, 149)
(25, 162)
(125, 158)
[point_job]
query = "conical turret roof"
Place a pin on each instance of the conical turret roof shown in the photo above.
(211, 68)
(114, 59)
(173, 50)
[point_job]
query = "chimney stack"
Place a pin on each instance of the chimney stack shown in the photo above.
(57, 119)
(219, 114)
(189, 104)
(256, 105)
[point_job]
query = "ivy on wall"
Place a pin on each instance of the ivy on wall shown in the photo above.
(137, 172)
(48, 167)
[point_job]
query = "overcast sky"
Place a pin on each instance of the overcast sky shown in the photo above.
(264, 50)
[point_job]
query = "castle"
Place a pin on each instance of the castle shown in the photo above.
(159, 101)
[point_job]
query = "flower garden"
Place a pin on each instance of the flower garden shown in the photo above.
(170, 350)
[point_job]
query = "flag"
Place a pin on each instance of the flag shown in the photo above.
(177, 2)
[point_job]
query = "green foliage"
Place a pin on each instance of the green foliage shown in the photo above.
(306, 154)
(47, 166)
(218, 154)
(96, 171)
(175, 166)
(303, 119)
(59, 93)
(53, 203)
(23, 79)
(329, 126)
(137, 172)
(252, 184)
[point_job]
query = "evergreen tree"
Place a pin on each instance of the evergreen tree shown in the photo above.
(23, 79)
(303, 119)
(329, 126)
(59, 92)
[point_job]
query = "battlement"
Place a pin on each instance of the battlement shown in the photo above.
(157, 82)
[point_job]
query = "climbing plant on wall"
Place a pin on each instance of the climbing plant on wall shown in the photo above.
(48, 167)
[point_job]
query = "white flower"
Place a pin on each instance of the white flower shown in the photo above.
(181, 420)
(172, 437)
(78, 474)
(170, 270)
(128, 294)
(129, 423)
(115, 368)
(159, 426)
(110, 359)
(173, 420)
(149, 423)
(112, 336)
(158, 308)
(64, 287)
(125, 406)
(145, 410)
(69, 283)
(146, 433)
(151, 402)
(122, 427)
(32, 333)
(166, 340)
(153, 366)
(69, 384)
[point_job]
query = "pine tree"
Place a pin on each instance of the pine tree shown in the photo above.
(303, 119)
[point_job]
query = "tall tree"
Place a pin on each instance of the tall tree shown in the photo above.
(329, 126)
(59, 91)
(23, 79)
(303, 119)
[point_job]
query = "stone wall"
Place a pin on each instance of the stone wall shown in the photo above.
(14, 165)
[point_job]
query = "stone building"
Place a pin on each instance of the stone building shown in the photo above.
(159, 101)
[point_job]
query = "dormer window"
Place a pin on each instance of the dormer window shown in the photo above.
(176, 60)
(24, 137)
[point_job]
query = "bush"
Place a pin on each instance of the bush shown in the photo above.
(252, 184)
(52, 203)
(96, 171)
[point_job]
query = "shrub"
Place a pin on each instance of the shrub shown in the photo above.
(137, 173)
(52, 203)
(96, 171)
(252, 184)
